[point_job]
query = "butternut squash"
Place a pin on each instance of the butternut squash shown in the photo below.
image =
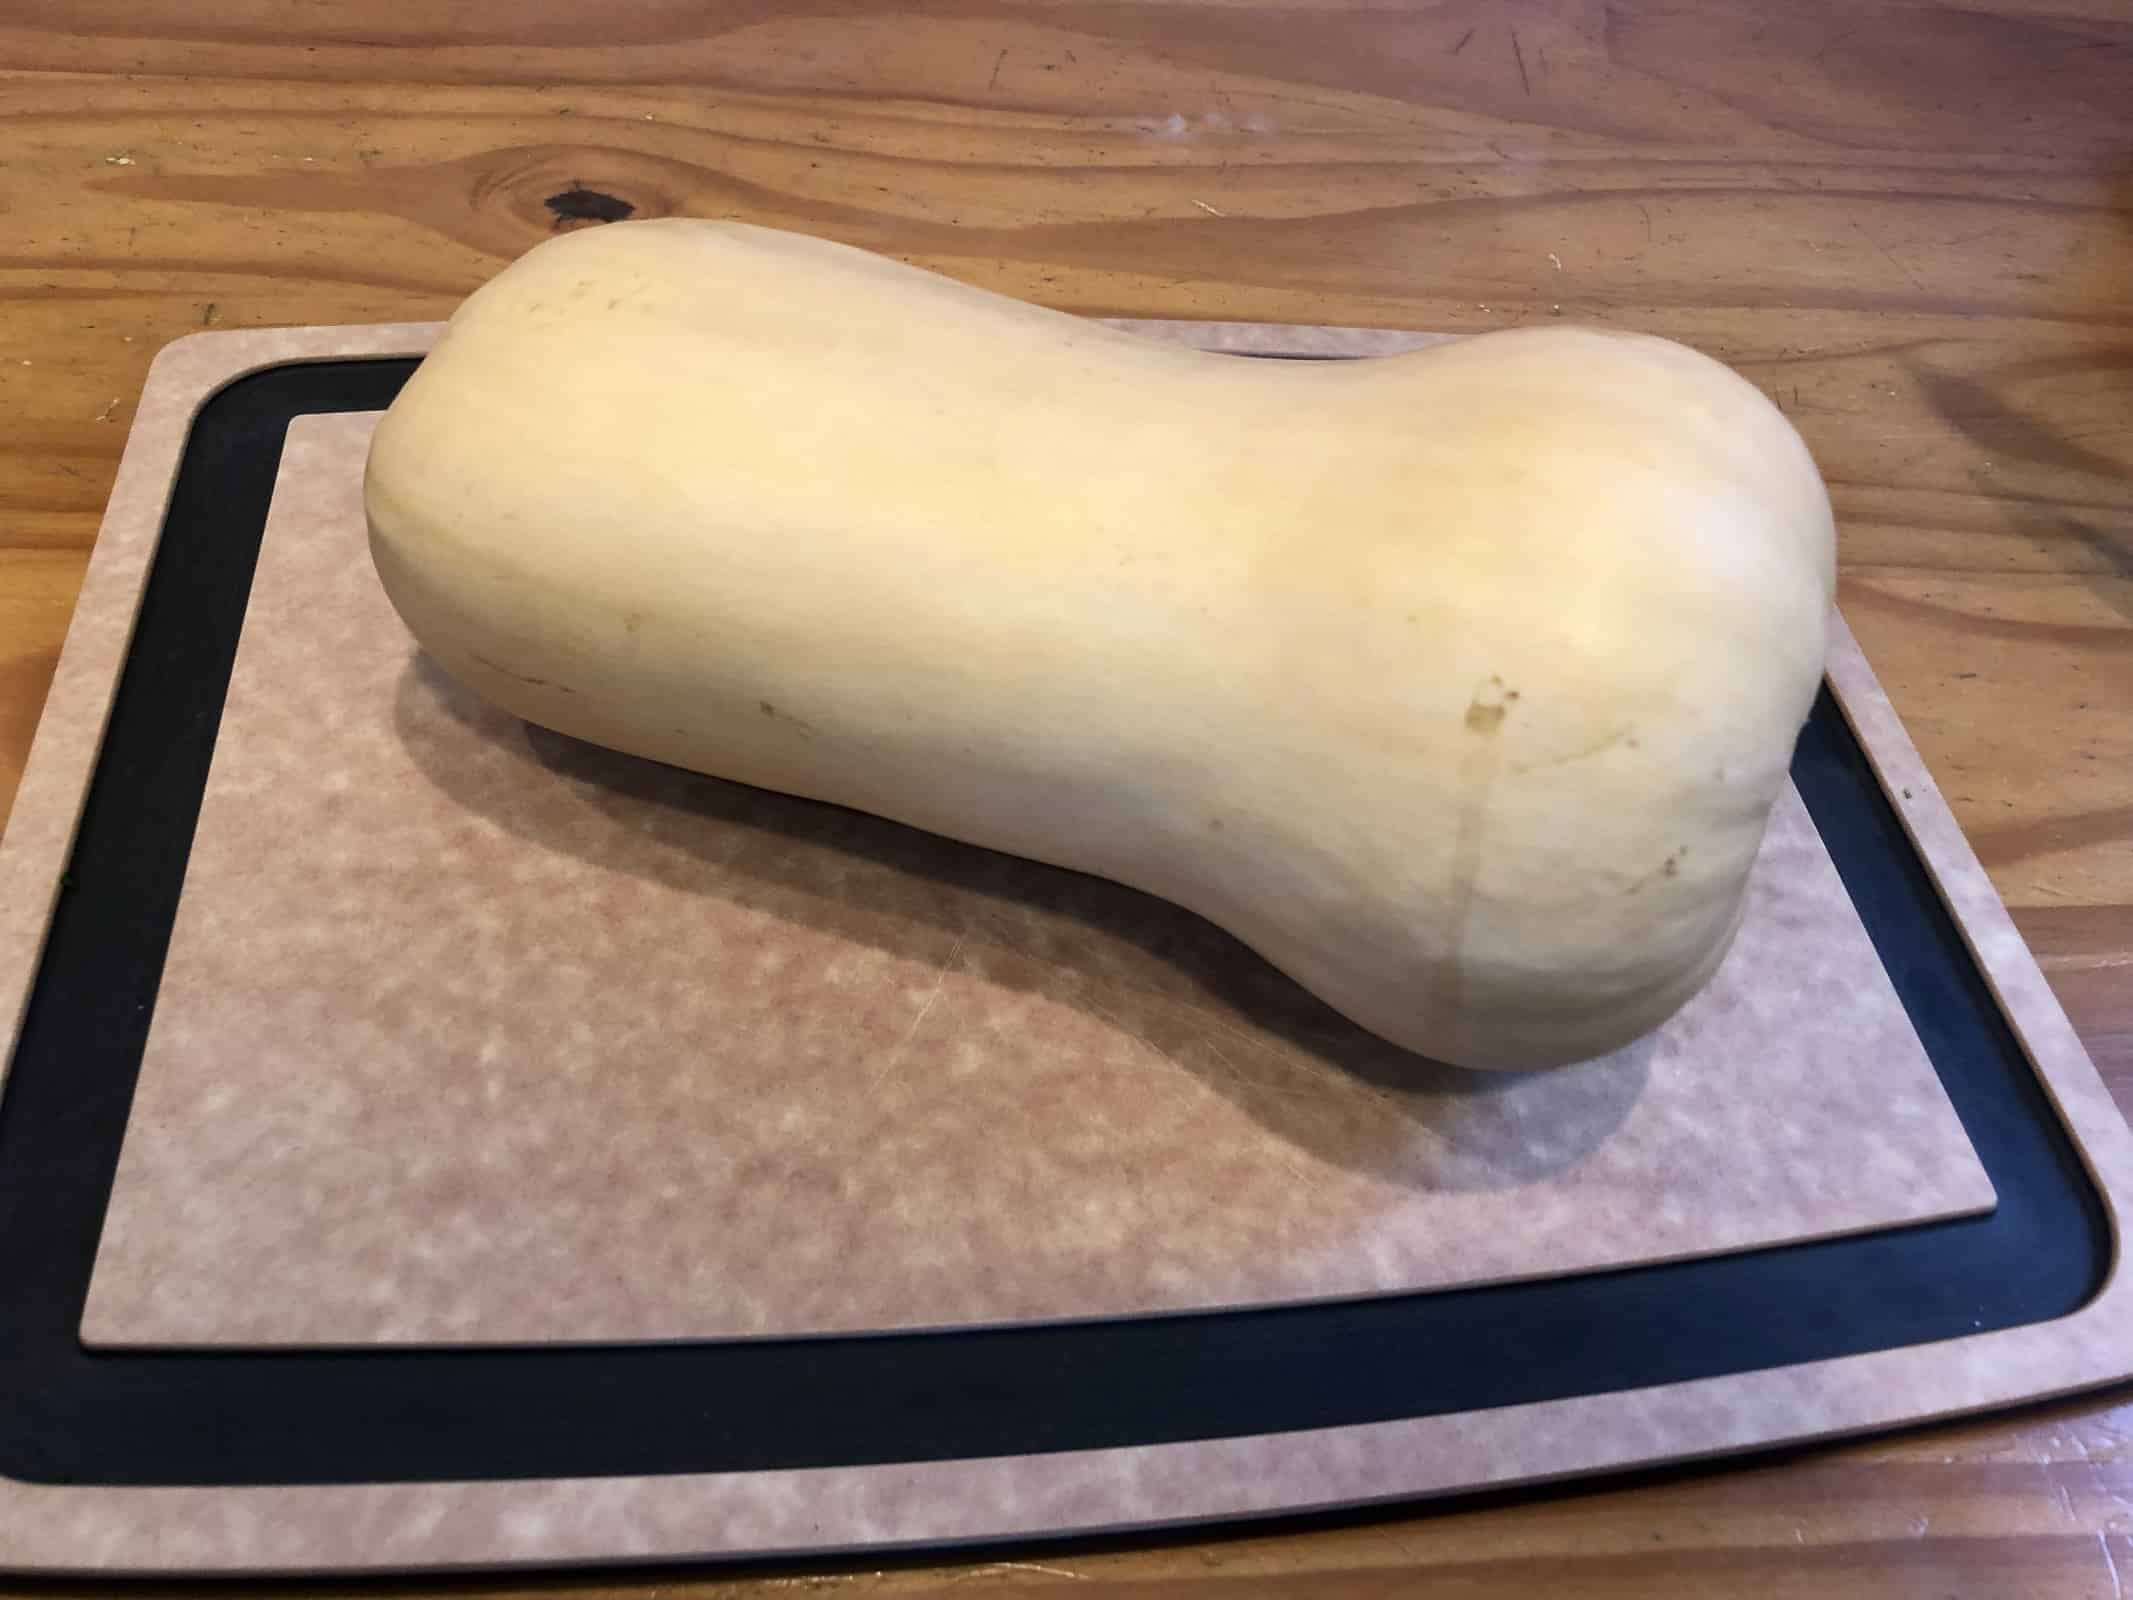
(1458, 684)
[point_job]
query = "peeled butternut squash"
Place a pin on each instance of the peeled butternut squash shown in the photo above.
(1459, 684)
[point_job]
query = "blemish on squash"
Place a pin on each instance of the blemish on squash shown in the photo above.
(1479, 767)
(1598, 747)
(1447, 983)
(805, 729)
(1491, 703)
(632, 621)
(527, 678)
(1214, 824)
(1669, 868)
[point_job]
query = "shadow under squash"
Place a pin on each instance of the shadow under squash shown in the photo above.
(1185, 989)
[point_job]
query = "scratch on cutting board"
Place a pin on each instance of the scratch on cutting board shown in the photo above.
(1128, 1029)
(1249, 1080)
(896, 1055)
(1133, 1033)
(1031, 1566)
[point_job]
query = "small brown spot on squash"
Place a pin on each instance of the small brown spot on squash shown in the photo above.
(799, 725)
(526, 678)
(1669, 868)
(1491, 702)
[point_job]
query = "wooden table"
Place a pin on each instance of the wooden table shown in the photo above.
(1913, 226)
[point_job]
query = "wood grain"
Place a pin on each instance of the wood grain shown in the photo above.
(1911, 224)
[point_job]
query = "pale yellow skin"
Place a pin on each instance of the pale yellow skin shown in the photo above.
(1458, 684)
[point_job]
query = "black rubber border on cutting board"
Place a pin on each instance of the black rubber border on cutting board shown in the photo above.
(70, 1414)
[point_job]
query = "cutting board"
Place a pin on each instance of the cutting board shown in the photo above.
(452, 1143)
